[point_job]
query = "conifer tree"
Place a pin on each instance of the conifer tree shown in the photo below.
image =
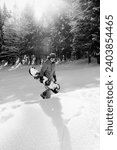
(85, 23)
(61, 37)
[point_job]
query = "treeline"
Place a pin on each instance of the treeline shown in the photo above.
(73, 34)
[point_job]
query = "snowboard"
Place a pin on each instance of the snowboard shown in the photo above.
(54, 87)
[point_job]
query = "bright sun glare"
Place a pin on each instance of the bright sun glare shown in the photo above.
(42, 8)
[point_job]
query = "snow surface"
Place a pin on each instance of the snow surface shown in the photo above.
(67, 121)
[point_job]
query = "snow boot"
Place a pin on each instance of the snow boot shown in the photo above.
(46, 94)
(42, 96)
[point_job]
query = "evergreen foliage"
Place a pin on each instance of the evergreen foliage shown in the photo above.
(71, 35)
(85, 24)
(61, 37)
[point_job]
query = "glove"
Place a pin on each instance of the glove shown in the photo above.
(41, 79)
(55, 80)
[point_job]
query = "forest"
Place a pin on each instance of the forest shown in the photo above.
(72, 32)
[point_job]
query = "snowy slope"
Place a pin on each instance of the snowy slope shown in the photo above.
(67, 121)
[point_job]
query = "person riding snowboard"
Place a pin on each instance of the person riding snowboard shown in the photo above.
(48, 70)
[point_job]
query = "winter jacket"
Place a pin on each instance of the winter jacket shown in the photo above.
(48, 70)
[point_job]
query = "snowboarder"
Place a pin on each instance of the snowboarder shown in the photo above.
(48, 70)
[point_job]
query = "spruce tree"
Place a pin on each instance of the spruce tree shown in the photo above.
(85, 23)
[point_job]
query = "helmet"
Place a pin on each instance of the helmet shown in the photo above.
(52, 55)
